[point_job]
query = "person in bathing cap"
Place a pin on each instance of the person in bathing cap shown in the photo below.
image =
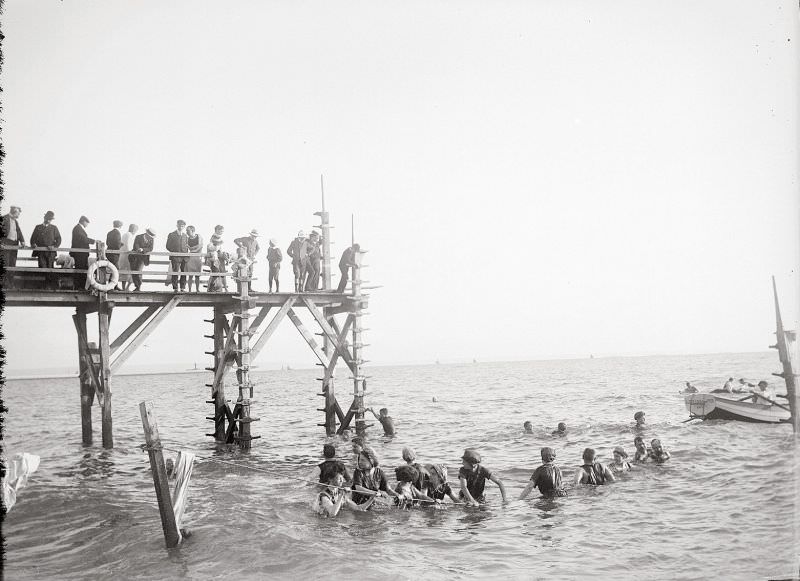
(642, 452)
(620, 463)
(561, 430)
(547, 477)
(528, 427)
(473, 476)
(368, 476)
(422, 478)
(639, 417)
(592, 472)
(657, 452)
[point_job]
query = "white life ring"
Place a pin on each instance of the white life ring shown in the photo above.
(110, 284)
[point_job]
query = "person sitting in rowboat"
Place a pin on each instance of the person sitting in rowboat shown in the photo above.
(547, 477)
(593, 473)
(657, 453)
(620, 463)
(642, 453)
(330, 501)
(763, 394)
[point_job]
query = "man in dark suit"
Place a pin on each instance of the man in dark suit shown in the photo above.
(46, 235)
(347, 261)
(178, 241)
(140, 255)
(80, 239)
(114, 242)
(11, 235)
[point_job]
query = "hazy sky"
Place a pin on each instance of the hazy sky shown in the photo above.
(531, 178)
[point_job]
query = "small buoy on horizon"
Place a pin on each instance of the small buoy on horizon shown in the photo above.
(433, 399)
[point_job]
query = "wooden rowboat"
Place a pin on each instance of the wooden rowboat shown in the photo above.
(710, 407)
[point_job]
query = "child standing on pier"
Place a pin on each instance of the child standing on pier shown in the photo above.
(473, 476)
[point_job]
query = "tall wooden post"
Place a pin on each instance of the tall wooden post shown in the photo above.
(787, 353)
(165, 508)
(328, 381)
(358, 380)
(243, 373)
(218, 388)
(87, 390)
(104, 311)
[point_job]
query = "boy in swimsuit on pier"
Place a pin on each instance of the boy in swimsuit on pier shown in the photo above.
(473, 476)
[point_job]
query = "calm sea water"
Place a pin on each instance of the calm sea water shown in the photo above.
(723, 507)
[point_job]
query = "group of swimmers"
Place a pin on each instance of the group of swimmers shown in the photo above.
(421, 484)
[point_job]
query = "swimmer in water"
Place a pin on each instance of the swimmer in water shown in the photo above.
(370, 477)
(405, 491)
(386, 421)
(642, 453)
(592, 472)
(640, 421)
(620, 463)
(690, 388)
(473, 476)
(561, 430)
(330, 464)
(547, 477)
(438, 487)
(330, 501)
(528, 427)
(657, 453)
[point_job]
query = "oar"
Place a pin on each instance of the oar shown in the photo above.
(773, 402)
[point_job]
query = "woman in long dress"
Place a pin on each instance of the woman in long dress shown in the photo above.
(214, 261)
(195, 263)
(124, 263)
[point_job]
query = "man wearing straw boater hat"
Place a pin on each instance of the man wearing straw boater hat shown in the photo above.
(298, 251)
(140, 256)
(178, 241)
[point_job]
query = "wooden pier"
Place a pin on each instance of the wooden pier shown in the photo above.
(240, 325)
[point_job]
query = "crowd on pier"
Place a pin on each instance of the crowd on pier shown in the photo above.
(130, 251)
(427, 484)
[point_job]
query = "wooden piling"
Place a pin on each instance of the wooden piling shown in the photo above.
(104, 316)
(787, 353)
(87, 389)
(358, 381)
(159, 470)
(218, 387)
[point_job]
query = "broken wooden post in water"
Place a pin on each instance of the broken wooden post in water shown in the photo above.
(171, 534)
(787, 353)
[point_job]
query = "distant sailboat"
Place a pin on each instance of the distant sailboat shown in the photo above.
(474, 360)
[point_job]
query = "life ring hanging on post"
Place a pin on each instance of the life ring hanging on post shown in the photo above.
(109, 267)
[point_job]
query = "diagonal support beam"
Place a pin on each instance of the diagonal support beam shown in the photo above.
(125, 354)
(132, 328)
(262, 314)
(226, 361)
(335, 341)
(309, 337)
(87, 358)
(342, 334)
(273, 324)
